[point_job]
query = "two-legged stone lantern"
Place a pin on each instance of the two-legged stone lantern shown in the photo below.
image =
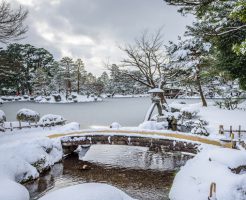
(157, 95)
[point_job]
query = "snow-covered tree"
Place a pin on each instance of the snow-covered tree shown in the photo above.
(190, 55)
(67, 65)
(79, 74)
(223, 24)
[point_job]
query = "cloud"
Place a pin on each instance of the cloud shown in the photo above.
(93, 29)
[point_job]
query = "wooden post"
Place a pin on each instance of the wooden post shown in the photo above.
(11, 127)
(221, 129)
(239, 133)
(212, 192)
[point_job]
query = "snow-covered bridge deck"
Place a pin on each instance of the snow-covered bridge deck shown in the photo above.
(172, 141)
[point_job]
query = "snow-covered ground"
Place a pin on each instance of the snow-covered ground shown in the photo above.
(24, 154)
(51, 99)
(216, 116)
(211, 165)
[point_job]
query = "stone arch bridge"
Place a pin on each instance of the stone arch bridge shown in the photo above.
(156, 140)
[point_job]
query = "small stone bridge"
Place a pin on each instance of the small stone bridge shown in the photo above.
(154, 140)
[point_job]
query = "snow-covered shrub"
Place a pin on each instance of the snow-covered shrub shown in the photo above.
(188, 114)
(51, 119)
(152, 125)
(2, 120)
(199, 128)
(2, 117)
(228, 103)
(74, 96)
(115, 125)
(57, 97)
(27, 115)
(38, 98)
(48, 98)
(25, 96)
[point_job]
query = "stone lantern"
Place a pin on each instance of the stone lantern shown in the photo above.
(157, 95)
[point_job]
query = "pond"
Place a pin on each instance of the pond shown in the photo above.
(126, 111)
(142, 174)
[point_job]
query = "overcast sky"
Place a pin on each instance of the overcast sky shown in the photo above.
(93, 29)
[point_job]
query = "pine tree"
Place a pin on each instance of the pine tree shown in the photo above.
(67, 65)
(190, 55)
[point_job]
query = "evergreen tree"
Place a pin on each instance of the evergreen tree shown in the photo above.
(67, 65)
(190, 55)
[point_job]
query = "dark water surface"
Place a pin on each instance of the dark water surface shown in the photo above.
(141, 173)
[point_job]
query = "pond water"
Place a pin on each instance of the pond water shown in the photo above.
(126, 111)
(142, 174)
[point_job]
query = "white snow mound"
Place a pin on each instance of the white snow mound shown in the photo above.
(87, 191)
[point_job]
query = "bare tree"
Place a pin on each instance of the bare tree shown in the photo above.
(11, 22)
(147, 56)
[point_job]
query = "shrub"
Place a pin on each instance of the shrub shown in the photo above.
(2, 117)
(199, 128)
(27, 115)
(51, 119)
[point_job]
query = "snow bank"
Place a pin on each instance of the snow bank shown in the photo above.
(87, 191)
(72, 126)
(152, 125)
(211, 165)
(10, 190)
(22, 161)
(51, 99)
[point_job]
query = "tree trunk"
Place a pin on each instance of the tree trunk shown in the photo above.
(78, 84)
(204, 102)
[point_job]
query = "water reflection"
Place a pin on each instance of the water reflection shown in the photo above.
(140, 173)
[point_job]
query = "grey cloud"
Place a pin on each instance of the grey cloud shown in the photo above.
(57, 24)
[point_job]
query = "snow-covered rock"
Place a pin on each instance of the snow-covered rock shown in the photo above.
(87, 191)
(115, 125)
(25, 114)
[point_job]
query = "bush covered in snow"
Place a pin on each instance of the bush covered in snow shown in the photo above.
(228, 103)
(2, 117)
(199, 127)
(152, 125)
(115, 125)
(27, 115)
(2, 120)
(51, 119)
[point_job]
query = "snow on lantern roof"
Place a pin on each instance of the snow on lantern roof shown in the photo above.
(156, 90)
